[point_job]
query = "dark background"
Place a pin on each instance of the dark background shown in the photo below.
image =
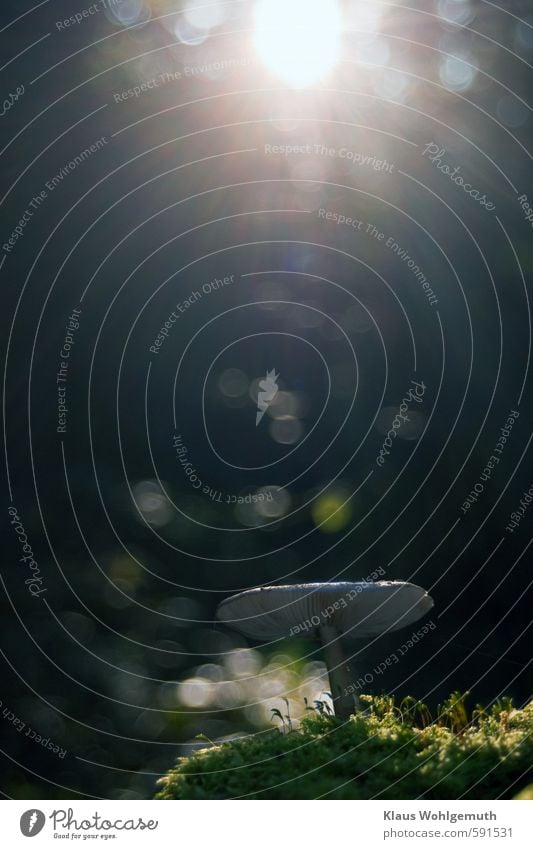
(131, 594)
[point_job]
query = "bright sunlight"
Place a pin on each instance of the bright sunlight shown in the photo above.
(298, 39)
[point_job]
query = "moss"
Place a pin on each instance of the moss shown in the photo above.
(379, 753)
(526, 794)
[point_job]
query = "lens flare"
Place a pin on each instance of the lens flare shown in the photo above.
(298, 39)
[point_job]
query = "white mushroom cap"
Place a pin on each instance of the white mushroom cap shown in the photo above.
(357, 609)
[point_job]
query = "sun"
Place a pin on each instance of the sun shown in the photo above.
(299, 40)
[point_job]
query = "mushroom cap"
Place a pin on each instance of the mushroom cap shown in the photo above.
(357, 609)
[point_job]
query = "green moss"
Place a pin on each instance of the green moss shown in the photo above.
(526, 794)
(381, 752)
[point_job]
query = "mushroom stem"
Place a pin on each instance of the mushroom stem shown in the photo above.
(341, 677)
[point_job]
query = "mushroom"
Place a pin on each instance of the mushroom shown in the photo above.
(331, 612)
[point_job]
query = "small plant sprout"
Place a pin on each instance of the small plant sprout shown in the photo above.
(332, 613)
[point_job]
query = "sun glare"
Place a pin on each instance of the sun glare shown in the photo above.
(298, 39)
